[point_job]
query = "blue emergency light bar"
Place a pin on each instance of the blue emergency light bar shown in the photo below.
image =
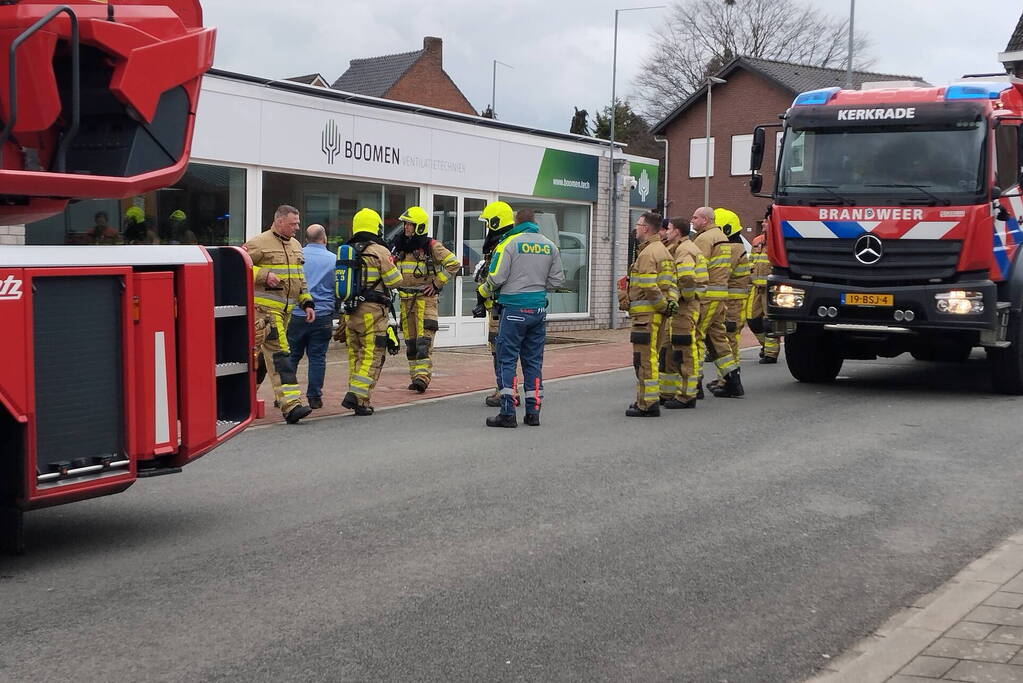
(815, 97)
(975, 91)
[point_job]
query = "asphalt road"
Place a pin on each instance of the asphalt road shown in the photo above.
(743, 541)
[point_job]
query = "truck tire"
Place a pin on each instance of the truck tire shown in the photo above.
(1007, 364)
(812, 357)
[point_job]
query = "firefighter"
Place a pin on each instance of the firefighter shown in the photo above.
(279, 285)
(650, 295)
(738, 288)
(525, 266)
(757, 301)
(366, 326)
(679, 355)
(425, 266)
(711, 336)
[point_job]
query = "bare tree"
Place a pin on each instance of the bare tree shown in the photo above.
(701, 36)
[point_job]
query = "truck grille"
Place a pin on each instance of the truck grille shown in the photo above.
(903, 261)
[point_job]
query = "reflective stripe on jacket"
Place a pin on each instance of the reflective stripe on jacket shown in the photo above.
(718, 251)
(419, 269)
(653, 281)
(271, 253)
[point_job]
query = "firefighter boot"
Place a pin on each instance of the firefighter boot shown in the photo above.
(732, 387)
(297, 413)
(652, 411)
(352, 403)
(675, 404)
(768, 360)
(502, 420)
(418, 384)
(699, 388)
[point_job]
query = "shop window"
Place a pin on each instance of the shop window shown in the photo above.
(568, 226)
(207, 206)
(333, 203)
(698, 157)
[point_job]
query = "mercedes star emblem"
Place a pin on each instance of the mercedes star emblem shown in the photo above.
(868, 249)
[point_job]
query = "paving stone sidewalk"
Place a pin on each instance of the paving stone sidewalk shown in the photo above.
(970, 629)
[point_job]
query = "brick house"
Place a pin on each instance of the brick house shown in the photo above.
(1012, 58)
(756, 92)
(415, 77)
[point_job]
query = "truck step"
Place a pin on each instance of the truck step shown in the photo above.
(157, 471)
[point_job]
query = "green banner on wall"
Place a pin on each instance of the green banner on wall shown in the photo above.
(567, 175)
(645, 192)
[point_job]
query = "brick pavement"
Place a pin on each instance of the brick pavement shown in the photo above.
(459, 370)
(969, 629)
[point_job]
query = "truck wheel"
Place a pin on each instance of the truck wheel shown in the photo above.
(812, 357)
(1007, 364)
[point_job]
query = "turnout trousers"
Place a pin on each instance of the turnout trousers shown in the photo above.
(521, 334)
(419, 327)
(756, 309)
(735, 320)
(367, 347)
(646, 329)
(712, 338)
(679, 367)
(273, 357)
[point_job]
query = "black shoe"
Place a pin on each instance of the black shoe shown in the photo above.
(350, 401)
(652, 411)
(768, 360)
(502, 420)
(492, 401)
(315, 402)
(675, 404)
(532, 419)
(732, 387)
(297, 413)
(363, 411)
(418, 384)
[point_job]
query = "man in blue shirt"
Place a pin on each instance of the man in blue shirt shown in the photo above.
(313, 338)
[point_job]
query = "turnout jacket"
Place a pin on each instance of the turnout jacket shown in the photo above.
(524, 267)
(718, 251)
(739, 277)
(272, 253)
(761, 265)
(652, 280)
(690, 268)
(421, 267)
(381, 275)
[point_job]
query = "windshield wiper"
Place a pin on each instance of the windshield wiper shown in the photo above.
(936, 198)
(830, 189)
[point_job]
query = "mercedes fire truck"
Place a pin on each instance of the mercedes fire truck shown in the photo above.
(119, 362)
(895, 226)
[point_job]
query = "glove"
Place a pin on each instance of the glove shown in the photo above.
(480, 311)
(340, 332)
(671, 308)
(393, 345)
(731, 326)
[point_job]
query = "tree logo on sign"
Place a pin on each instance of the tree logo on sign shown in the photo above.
(330, 140)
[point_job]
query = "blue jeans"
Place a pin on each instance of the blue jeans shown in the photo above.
(312, 339)
(521, 333)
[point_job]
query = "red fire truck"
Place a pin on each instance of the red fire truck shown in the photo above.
(120, 362)
(895, 226)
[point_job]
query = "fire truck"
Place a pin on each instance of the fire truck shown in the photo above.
(120, 362)
(895, 226)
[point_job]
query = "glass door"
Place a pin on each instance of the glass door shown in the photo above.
(456, 225)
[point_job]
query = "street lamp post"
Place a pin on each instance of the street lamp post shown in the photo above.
(612, 219)
(849, 57)
(493, 87)
(711, 80)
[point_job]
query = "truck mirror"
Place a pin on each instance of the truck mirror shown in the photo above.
(756, 183)
(756, 157)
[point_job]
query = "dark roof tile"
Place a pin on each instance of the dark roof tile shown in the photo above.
(1016, 40)
(375, 76)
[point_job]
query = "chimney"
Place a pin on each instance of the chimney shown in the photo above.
(434, 47)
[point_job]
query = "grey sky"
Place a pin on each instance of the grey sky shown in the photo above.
(561, 49)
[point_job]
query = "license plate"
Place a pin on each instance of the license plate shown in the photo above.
(859, 299)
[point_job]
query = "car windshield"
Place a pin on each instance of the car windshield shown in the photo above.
(904, 164)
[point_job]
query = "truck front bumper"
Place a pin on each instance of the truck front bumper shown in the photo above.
(913, 307)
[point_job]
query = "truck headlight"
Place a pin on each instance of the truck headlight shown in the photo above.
(959, 302)
(787, 296)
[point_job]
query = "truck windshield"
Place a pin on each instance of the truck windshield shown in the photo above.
(902, 165)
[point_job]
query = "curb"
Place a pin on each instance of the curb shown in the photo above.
(910, 631)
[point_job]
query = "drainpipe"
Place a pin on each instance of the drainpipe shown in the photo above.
(664, 207)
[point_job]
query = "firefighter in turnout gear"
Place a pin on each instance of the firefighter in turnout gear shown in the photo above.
(279, 285)
(425, 266)
(711, 335)
(679, 357)
(757, 301)
(650, 295)
(738, 289)
(367, 325)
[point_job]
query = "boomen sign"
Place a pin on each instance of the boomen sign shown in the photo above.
(567, 175)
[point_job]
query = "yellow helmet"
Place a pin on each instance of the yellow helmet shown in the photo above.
(418, 217)
(367, 220)
(134, 215)
(497, 216)
(728, 221)
(178, 215)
